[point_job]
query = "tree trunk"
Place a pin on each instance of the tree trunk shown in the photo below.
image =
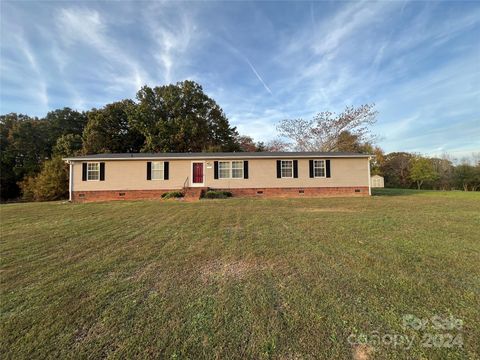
(419, 184)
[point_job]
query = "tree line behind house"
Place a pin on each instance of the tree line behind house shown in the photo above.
(351, 131)
(182, 118)
(406, 170)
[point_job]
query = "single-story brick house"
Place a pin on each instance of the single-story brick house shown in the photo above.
(149, 175)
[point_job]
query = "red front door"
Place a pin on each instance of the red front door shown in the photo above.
(198, 173)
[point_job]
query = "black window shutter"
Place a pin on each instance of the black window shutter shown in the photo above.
(295, 168)
(215, 169)
(149, 170)
(165, 170)
(245, 169)
(310, 164)
(279, 169)
(102, 171)
(327, 165)
(84, 171)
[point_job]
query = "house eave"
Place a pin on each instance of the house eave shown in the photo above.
(210, 156)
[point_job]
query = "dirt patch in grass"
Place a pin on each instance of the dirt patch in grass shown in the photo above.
(235, 269)
(362, 352)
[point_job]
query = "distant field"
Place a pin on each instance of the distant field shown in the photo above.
(240, 278)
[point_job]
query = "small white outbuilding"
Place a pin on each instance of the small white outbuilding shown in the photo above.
(376, 181)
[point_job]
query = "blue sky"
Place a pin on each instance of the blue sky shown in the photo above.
(261, 61)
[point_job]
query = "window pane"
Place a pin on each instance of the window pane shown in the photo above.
(224, 169)
(157, 174)
(93, 171)
(237, 164)
(157, 170)
(93, 166)
(287, 173)
(223, 165)
(237, 169)
(93, 175)
(319, 168)
(319, 172)
(157, 165)
(237, 173)
(287, 168)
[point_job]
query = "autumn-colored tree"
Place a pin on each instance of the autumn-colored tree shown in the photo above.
(327, 131)
(277, 145)
(377, 161)
(247, 144)
(446, 170)
(50, 184)
(396, 169)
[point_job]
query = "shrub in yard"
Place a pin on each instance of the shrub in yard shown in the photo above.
(217, 194)
(50, 184)
(27, 186)
(172, 195)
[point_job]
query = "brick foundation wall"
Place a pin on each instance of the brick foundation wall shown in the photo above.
(300, 192)
(107, 195)
(89, 196)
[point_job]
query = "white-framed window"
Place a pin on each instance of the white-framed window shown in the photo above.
(287, 168)
(237, 169)
(158, 170)
(224, 168)
(318, 168)
(93, 171)
(230, 169)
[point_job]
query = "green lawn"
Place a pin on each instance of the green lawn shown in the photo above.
(239, 278)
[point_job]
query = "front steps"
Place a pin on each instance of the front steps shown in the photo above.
(193, 193)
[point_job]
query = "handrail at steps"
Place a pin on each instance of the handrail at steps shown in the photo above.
(185, 184)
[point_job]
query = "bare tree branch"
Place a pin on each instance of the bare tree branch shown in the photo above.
(323, 131)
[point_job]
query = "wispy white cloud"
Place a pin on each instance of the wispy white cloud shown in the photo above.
(347, 22)
(86, 27)
(41, 90)
(173, 31)
(24, 62)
